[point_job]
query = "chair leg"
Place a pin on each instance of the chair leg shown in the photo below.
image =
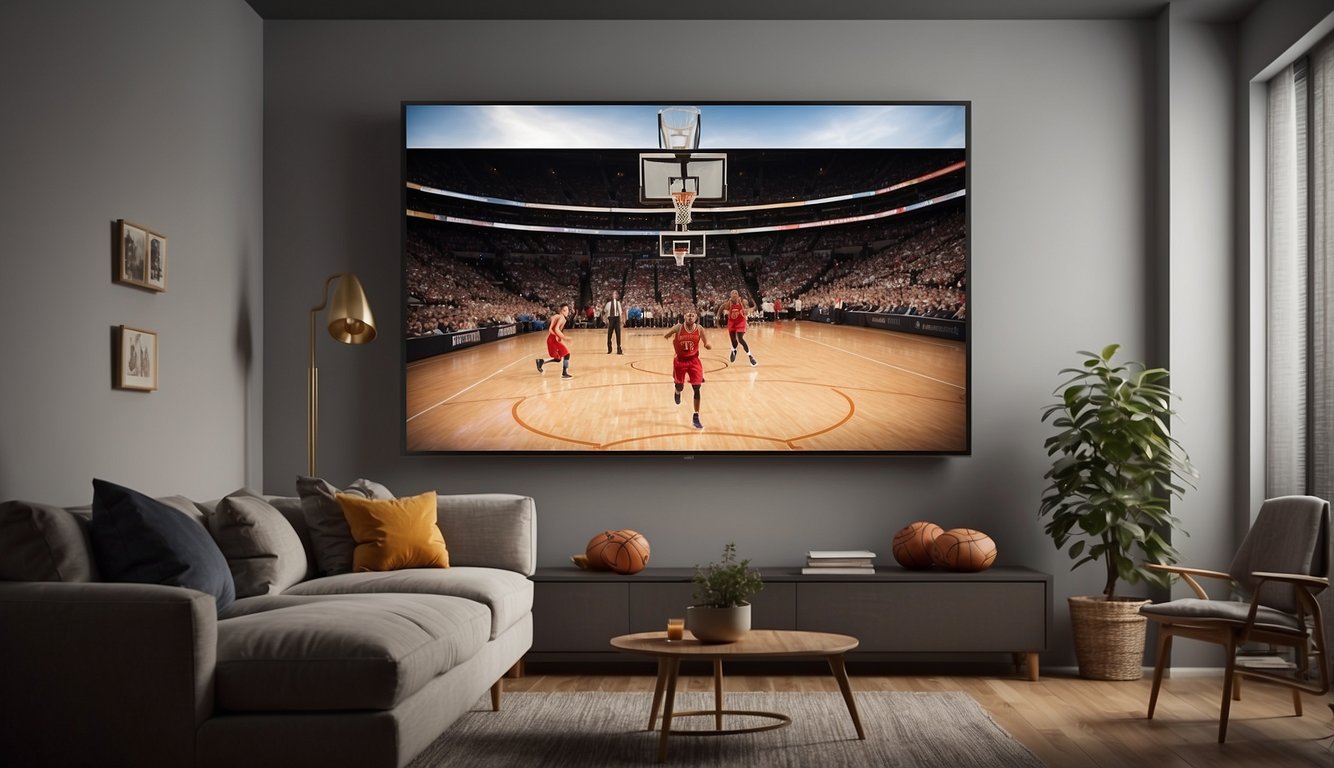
(1164, 648)
(1297, 702)
(1236, 689)
(1229, 678)
(495, 695)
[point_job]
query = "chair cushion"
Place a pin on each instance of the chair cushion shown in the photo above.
(392, 534)
(330, 537)
(262, 550)
(138, 539)
(43, 543)
(1191, 609)
(345, 653)
(509, 595)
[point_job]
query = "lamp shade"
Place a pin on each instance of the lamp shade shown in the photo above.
(350, 317)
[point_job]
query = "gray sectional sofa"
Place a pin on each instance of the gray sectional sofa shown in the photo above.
(361, 669)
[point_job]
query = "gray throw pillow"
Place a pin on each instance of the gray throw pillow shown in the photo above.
(261, 547)
(330, 537)
(43, 543)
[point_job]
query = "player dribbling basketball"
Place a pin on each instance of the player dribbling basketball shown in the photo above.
(686, 339)
(556, 348)
(735, 310)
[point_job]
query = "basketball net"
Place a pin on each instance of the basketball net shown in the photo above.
(683, 200)
(679, 252)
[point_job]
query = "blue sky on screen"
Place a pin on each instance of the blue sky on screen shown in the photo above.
(733, 126)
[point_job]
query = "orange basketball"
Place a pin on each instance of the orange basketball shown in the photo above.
(627, 552)
(595, 548)
(912, 544)
(964, 549)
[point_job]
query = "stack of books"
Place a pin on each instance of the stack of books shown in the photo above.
(852, 562)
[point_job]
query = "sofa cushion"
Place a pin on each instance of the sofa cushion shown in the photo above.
(392, 534)
(263, 551)
(345, 653)
(509, 595)
(138, 539)
(43, 543)
(330, 537)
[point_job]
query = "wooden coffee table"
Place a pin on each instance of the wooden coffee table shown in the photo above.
(758, 643)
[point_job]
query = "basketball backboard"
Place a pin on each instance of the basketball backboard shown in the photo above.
(681, 245)
(662, 173)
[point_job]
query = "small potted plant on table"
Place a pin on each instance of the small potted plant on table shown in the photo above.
(1116, 470)
(721, 613)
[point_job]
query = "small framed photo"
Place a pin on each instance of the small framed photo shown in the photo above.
(136, 359)
(131, 254)
(156, 276)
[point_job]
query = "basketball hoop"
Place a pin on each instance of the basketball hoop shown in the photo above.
(679, 252)
(683, 200)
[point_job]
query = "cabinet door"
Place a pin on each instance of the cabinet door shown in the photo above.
(652, 603)
(579, 617)
(929, 616)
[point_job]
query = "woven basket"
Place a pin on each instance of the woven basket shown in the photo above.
(1109, 637)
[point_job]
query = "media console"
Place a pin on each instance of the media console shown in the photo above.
(891, 612)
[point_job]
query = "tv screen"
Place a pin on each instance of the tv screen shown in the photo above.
(686, 278)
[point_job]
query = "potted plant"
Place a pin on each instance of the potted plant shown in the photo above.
(721, 613)
(1116, 470)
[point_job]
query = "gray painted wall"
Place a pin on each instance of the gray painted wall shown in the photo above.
(148, 110)
(1058, 263)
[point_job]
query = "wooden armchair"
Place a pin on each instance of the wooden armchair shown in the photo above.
(1279, 569)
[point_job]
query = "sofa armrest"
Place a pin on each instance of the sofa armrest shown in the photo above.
(490, 530)
(112, 674)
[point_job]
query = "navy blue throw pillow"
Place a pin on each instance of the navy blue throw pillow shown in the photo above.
(139, 539)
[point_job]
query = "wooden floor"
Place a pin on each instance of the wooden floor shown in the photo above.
(1068, 721)
(816, 387)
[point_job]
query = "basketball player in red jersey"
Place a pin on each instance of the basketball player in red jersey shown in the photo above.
(556, 348)
(686, 340)
(735, 309)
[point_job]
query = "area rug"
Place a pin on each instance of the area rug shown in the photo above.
(589, 730)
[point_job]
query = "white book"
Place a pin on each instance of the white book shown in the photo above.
(854, 571)
(838, 562)
(838, 553)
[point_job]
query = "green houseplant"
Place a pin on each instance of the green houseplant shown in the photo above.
(1116, 469)
(721, 613)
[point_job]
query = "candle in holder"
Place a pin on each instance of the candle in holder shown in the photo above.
(676, 629)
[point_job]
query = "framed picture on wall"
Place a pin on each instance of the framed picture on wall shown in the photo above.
(156, 275)
(131, 254)
(136, 359)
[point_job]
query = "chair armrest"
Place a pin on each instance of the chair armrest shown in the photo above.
(1314, 584)
(490, 530)
(120, 674)
(1188, 574)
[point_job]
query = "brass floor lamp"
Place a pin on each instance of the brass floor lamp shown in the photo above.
(351, 322)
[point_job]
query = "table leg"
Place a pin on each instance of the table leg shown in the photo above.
(841, 674)
(1033, 667)
(657, 692)
(673, 666)
(718, 694)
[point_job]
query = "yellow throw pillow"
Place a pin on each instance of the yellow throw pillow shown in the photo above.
(394, 533)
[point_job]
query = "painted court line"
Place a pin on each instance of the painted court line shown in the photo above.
(878, 362)
(465, 389)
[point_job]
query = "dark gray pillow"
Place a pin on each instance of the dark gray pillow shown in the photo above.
(139, 539)
(43, 543)
(261, 547)
(330, 537)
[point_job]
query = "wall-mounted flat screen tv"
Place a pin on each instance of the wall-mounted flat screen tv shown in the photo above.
(686, 278)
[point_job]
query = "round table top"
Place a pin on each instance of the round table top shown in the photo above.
(757, 642)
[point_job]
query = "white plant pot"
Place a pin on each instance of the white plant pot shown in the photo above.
(718, 625)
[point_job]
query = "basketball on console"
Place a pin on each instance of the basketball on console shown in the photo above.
(964, 549)
(623, 551)
(912, 544)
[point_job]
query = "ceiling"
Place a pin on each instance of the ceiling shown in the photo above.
(1215, 10)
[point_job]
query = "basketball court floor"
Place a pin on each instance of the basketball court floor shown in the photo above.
(817, 387)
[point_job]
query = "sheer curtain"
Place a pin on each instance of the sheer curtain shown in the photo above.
(1287, 321)
(1321, 73)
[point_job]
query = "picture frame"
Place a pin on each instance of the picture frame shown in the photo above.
(131, 253)
(136, 359)
(155, 276)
